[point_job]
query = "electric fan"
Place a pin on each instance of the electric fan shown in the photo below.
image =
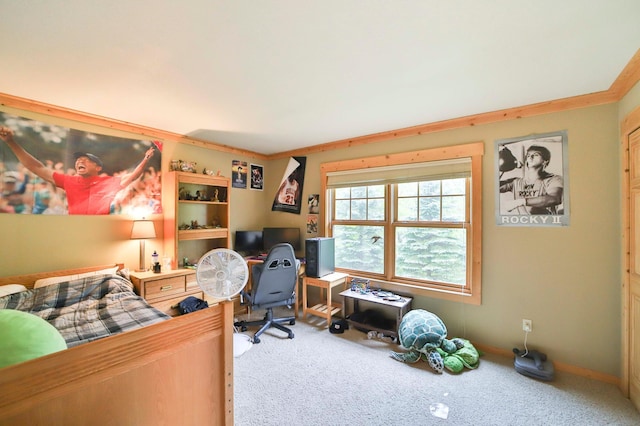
(223, 273)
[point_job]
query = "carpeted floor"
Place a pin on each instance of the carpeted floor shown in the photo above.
(319, 378)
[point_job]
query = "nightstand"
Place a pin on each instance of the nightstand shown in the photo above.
(165, 290)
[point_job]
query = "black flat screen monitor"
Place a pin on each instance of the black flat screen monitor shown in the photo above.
(248, 242)
(273, 236)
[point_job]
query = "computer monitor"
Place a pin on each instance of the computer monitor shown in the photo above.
(273, 236)
(248, 242)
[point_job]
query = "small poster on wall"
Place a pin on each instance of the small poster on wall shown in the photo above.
(312, 224)
(314, 203)
(257, 177)
(239, 174)
(532, 182)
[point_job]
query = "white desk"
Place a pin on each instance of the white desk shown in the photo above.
(401, 307)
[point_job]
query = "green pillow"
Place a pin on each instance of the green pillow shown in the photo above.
(24, 336)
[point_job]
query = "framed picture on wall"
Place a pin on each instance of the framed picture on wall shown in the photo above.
(67, 171)
(257, 177)
(532, 180)
(239, 173)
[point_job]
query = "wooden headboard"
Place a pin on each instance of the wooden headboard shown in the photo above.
(29, 279)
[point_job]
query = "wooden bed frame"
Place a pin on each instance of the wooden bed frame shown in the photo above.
(178, 371)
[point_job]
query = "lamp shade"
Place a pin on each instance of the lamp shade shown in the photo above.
(142, 229)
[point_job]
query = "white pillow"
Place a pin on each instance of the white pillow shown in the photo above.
(8, 289)
(55, 280)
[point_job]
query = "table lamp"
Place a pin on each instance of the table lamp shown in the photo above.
(142, 230)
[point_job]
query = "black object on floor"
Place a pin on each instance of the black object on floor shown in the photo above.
(533, 364)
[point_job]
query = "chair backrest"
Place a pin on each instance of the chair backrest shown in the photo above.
(276, 281)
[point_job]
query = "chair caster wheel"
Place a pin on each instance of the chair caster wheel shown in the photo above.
(292, 322)
(290, 335)
(243, 328)
(256, 340)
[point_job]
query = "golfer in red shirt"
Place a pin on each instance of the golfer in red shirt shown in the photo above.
(88, 191)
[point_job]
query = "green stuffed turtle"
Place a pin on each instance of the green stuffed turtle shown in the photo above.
(467, 356)
(423, 333)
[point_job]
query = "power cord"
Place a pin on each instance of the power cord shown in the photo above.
(526, 351)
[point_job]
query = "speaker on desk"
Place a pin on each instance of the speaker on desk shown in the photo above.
(319, 257)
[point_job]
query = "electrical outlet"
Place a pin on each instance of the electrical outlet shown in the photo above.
(527, 325)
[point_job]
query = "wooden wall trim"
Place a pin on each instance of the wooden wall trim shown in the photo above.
(110, 123)
(564, 104)
(628, 125)
(558, 366)
(629, 76)
(430, 154)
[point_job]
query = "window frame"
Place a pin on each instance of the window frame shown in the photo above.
(472, 292)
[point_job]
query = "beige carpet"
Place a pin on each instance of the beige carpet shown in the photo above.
(319, 378)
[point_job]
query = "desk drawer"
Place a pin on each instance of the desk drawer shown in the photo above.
(164, 287)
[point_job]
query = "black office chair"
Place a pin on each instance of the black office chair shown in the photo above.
(273, 283)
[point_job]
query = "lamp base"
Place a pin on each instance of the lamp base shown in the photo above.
(142, 263)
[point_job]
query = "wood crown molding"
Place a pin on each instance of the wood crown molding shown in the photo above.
(112, 124)
(629, 76)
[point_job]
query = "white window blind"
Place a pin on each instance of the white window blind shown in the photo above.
(411, 172)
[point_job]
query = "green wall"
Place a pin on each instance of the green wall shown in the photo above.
(566, 280)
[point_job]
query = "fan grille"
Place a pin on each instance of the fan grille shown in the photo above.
(222, 273)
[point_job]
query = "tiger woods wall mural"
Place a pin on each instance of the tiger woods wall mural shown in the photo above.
(50, 169)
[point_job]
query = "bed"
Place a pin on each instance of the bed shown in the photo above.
(132, 366)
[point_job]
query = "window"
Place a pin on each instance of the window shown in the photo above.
(415, 226)
(430, 231)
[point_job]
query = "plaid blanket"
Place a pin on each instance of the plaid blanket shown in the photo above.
(87, 309)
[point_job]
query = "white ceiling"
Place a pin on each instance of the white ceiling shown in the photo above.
(276, 75)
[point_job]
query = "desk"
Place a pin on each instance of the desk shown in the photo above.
(255, 261)
(326, 284)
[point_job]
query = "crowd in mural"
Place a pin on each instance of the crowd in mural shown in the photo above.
(25, 193)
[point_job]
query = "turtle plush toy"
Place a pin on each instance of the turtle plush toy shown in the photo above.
(468, 356)
(422, 333)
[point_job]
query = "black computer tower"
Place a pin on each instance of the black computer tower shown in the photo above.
(320, 257)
